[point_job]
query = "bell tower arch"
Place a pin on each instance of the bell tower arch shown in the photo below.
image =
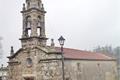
(33, 32)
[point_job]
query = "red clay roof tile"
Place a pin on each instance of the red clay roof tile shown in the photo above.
(79, 54)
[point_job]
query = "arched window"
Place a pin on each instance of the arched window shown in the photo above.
(29, 32)
(28, 22)
(39, 4)
(39, 26)
(79, 67)
(29, 62)
(28, 25)
(28, 6)
(38, 31)
(67, 79)
(39, 20)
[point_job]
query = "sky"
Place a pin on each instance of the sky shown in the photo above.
(84, 24)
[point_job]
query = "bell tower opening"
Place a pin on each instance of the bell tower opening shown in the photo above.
(38, 31)
(33, 23)
(39, 26)
(28, 26)
(29, 32)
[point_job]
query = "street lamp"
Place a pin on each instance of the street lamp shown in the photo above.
(61, 42)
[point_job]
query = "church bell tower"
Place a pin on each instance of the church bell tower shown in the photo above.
(33, 32)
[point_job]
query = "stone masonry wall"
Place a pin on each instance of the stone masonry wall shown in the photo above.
(44, 69)
(90, 70)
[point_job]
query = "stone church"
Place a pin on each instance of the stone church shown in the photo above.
(35, 60)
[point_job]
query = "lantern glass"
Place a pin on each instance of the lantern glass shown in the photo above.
(61, 41)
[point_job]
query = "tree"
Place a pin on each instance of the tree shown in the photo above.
(115, 52)
(104, 49)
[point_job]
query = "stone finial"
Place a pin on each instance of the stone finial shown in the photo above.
(52, 43)
(42, 7)
(2, 66)
(23, 7)
(12, 51)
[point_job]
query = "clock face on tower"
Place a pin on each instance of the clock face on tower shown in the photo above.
(29, 62)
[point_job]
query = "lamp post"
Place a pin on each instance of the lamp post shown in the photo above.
(61, 42)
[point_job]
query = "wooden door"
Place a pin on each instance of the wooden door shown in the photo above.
(29, 79)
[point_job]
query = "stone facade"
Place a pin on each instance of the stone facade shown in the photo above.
(90, 70)
(47, 66)
(3, 73)
(37, 61)
(35, 69)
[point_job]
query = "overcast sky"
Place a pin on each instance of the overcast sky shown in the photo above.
(85, 24)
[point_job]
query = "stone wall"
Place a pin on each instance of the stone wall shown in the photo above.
(90, 70)
(49, 67)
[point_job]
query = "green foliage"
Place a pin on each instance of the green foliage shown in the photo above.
(109, 50)
(104, 49)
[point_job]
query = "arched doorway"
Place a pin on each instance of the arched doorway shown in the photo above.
(29, 78)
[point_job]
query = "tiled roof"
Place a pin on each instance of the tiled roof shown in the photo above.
(79, 54)
(70, 53)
